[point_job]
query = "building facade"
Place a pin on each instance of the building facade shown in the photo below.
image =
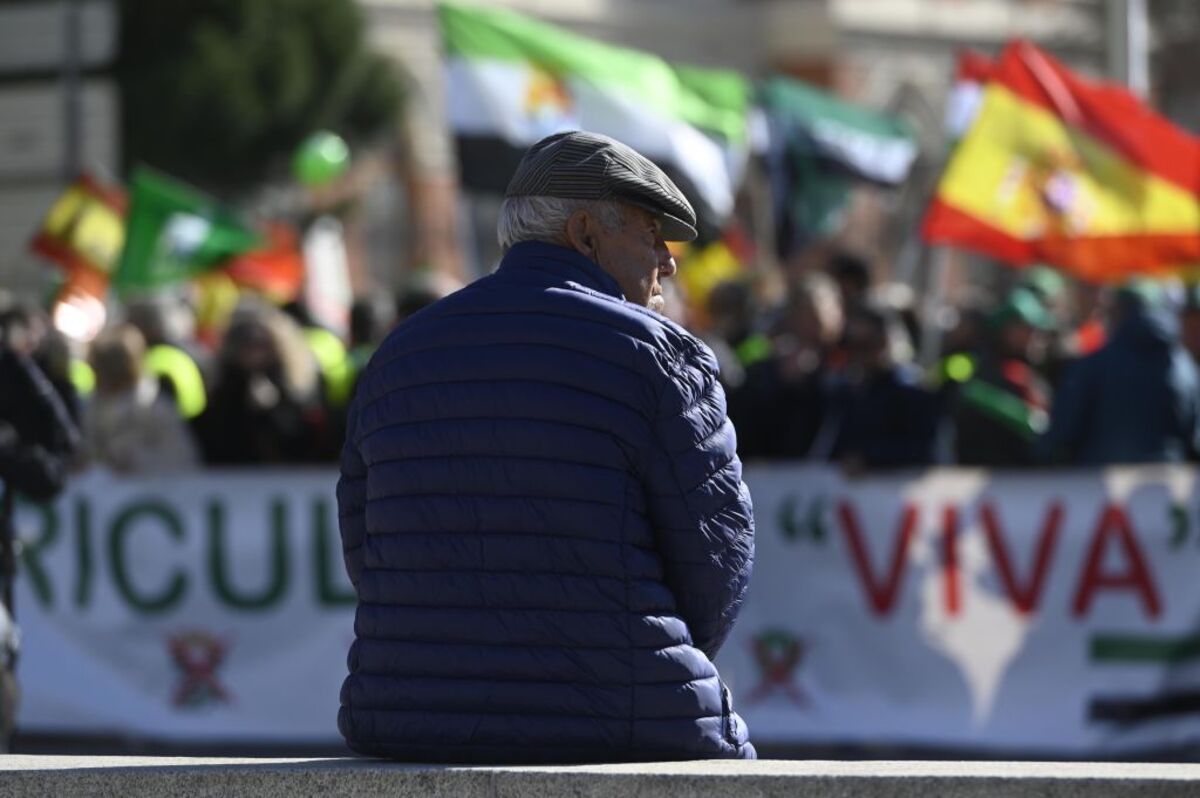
(58, 113)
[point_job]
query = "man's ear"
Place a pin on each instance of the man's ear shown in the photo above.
(579, 232)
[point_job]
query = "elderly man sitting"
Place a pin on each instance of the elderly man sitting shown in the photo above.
(541, 506)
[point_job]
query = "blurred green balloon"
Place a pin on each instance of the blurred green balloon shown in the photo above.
(320, 158)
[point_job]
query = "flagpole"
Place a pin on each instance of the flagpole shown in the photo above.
(1129, 45)
(935, 297)
(762, 220)
(1138, 28)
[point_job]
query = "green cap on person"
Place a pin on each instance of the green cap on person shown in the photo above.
(1044, 281)
(1140, 291)
(1022, 306)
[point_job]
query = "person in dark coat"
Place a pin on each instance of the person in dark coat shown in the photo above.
(852, 273)
(265, 406)
(1137, 400)
(38, 436)
(38, 440)
(541, 504)
(1003, 407)
(1189, 324)
(779, 407)
(877, 415)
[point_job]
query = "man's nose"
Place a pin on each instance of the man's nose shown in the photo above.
(666, 262)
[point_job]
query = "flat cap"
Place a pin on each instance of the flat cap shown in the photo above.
(588, 166)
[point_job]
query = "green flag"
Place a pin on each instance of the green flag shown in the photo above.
(820, 145)
(854, 140)
(513, 80)
(174, 232)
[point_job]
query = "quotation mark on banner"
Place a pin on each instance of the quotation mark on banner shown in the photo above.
(1180, 522)
(803, 520)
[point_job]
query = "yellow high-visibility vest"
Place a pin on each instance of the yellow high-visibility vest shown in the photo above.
(334, 362)
(178, 367)
(82, 377)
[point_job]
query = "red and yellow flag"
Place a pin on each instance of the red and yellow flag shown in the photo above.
(1076, 173)
(84, 228)
(83, 232)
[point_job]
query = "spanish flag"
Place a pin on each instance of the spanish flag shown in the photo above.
(84, 228)
(1076, 173)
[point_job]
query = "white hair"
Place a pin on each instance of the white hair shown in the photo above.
(545, 218)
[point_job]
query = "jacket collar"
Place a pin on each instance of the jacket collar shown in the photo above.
(561, 262)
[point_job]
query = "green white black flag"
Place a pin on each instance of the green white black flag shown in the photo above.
(820, 144)
(513, 80)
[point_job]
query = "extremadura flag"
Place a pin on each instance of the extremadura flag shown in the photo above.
(512, 80)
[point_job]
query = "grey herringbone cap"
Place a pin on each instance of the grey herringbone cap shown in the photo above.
(589, 166)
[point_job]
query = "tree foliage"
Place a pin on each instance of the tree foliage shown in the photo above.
(220, 92)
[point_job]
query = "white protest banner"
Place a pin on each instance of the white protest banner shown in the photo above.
(1052, 612)
(210, 607)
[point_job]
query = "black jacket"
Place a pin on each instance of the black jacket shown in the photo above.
(37, 436)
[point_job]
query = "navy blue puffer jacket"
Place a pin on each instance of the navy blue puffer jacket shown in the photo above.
(543, 515)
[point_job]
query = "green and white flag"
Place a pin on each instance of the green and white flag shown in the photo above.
(819, 145)
(513, 80)
(174, 232)
(860, 142)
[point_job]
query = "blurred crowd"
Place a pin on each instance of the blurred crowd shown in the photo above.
(826, 366)
(1045, 372)
(153, 394)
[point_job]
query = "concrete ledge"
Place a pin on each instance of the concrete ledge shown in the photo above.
(291, 778)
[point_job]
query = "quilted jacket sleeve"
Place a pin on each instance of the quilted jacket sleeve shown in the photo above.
(698, 504)
(352, 499)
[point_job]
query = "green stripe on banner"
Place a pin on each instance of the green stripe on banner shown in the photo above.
(1144, 648)
(711, 99)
